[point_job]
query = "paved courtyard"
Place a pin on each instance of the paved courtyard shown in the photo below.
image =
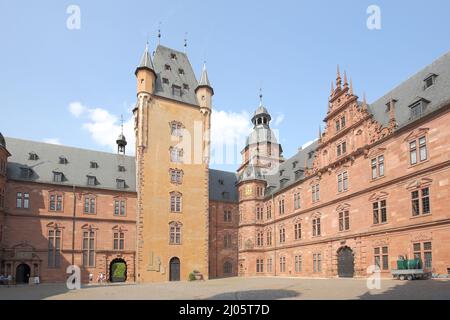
(240, 289)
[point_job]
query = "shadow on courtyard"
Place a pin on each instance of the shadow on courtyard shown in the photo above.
(271, 294)
(412, 290)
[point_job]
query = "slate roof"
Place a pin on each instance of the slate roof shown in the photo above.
(413, 89)
(76, 170)
(163, 57)
(222, 186)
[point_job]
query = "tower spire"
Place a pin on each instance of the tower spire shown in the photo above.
(159, 33)
(121, 140)
(332, 88)
(260, 97)
(338, 78)
(204, 80)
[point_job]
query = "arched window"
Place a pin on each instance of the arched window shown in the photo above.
(227, 268)
(175, 233)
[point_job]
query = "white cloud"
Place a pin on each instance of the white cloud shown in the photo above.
(279, 119)
(52, 141)
(76, 109)
(104, 127)
(228, 133)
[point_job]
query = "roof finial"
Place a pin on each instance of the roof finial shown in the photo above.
(121, 123)
(159, 33)
(320, 133)
(364, 105)
(185, 42)
(351, 86)
(332, 88)
(260, 97)
(338, 78)
(345, 79)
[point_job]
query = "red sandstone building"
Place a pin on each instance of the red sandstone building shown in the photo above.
(374, 186)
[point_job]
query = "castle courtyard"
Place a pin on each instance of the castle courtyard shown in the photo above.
(253, 288)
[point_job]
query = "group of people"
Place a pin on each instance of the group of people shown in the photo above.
(101, 278)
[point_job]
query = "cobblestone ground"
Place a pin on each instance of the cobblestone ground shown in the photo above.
(240, 289)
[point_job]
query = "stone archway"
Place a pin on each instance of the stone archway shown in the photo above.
(118, 270)
(23, 273)
(346, 262)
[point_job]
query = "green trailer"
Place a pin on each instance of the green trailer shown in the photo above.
(410, 270)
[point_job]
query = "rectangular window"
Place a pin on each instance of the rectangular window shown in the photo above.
(19, 200)
(344, 221)
(379, 212)
(316, 227)
(269, 264)
(88, 249)
(59, 203)
(269, 211)
(175, 203)
(317, 262)
(298, 263)
(413, 152)
(91, 181)
(423, 154)
(420, 201)
(259, 265)
(374, 168)
(381, 166)
(298, 231)
(57, 177)
(281, 206)
(315, 193)
(282, 235)
(297, 201)
(120, 184)
(175, 234)
(269, 238)
(343, 181)
(56, 202)
(381, 258)
(119, 240)
(54, 248)
(423, 251)
(26, 200)
(282, 264)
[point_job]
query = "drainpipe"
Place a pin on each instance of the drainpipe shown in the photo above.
(73, 225)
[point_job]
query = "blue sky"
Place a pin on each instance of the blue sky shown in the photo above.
(290, 48)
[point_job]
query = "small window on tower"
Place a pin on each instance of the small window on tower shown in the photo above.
(185, 86)
(122, 169)
(63, 160)
(167, 67)
(165, 80)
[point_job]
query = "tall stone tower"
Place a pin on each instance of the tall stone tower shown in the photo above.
(172, 122)
(261, 157)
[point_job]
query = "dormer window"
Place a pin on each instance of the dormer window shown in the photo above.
(120, 183)
(310, 154)
(33, 156)
(185, 86)
(91, 181)
(121, 169)
(181, 71)
(294, 164)
(281, 173)
(165, 80)
(176, 90)
(94, 165)
(430, 81)
(298, 174)
(26, 173)
(417, 109)
(63, 160)
(173, 56)
(167, 67)
(221, 182)
(58, 177)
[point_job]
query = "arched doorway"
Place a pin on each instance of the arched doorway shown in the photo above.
(22, 273)
(346, 263)
(174, 274)
(118, 270)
